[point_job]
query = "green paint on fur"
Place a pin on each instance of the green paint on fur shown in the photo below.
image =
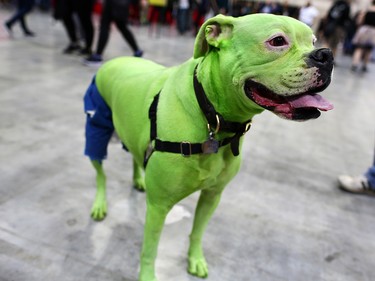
(229, 53)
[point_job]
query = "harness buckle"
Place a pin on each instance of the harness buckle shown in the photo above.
(185, 148)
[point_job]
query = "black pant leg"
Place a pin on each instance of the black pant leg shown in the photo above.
(105, 25)
(84, 10)
(127, 34)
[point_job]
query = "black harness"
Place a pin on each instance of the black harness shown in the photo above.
(216, 123)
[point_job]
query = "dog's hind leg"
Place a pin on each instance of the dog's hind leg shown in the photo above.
(138, 177)
(207, 203)
(99, 207)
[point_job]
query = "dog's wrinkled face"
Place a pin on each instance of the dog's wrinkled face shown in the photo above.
(273, 62)
(298, 98)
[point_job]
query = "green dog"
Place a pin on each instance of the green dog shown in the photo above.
(184, 125)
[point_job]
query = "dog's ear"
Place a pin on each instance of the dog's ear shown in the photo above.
(212, 34)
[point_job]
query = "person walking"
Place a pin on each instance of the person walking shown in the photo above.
(116, 11)
(183, 13)
(66, 10)
(308, 14)
(334, 30)
(23, 8)
(364, 39)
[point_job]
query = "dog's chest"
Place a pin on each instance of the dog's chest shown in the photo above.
(217, 169)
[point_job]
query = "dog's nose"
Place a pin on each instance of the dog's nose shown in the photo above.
(321, 57)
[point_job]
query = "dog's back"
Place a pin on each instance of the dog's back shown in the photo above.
(126, 73)
(128, 86)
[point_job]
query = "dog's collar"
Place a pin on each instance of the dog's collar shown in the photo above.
(216, 121)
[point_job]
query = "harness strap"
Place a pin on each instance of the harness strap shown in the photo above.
(214, 119)
(183, 148)
(152, 117)
(186, 148)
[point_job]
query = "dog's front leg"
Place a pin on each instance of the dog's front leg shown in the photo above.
(208, 201)
(155, 218)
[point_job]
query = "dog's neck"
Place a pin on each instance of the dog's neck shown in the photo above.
(216, 121)
(222, 93)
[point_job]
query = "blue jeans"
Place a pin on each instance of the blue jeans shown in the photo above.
(370, 175)
(24, 7)
(183, 20)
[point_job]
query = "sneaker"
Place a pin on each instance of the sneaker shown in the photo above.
(8, 28)
(364, 68)
(71, 48)
(29, 33)
(138, 53)
(358, 185)
(353, 68)
(93, 60)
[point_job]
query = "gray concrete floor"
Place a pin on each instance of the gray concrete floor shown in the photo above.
(282, 218)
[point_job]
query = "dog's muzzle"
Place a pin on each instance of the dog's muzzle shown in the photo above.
(301, 106)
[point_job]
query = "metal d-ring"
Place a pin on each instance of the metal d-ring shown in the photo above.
(217, 126)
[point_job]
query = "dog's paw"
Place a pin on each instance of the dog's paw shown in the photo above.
(198, 267)
(139, 184)
(99, 210)
(153, 279)
(147, 276)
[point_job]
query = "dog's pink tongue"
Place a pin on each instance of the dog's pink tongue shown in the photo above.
(315, 101)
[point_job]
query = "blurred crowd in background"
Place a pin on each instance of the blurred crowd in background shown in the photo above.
(335, 27)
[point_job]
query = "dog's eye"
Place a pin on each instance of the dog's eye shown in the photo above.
(278, 41)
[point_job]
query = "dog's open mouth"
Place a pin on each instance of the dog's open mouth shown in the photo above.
(300, 107)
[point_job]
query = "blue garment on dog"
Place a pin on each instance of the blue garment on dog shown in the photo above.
(99, 124)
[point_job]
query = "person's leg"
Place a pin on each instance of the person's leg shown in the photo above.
(185, 18)
(27, 7)
(333, 41)
(84, 11)
(180, 21)
(127, 34)
(104, 29)
(70, 27)
(357, 56)
(152, 18)
(370, 175)
(21, 10)
(366, 58)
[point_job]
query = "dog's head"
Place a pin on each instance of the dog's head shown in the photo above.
(268, 62)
